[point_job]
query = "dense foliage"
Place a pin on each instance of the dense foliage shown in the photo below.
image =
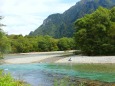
(4, 42)
(95, 33)
(61, 25)
(23, 44)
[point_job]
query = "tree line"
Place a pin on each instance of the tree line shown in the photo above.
(23, 44)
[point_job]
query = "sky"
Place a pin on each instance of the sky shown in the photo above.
(23, 16)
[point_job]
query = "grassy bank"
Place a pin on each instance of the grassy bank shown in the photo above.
(7, 80)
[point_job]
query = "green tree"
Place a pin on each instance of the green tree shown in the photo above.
(21, 44)
(92, 33)
(4, 42)
(66, 44)
(47, 43)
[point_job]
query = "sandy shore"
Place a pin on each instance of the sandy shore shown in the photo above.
(35, 57)
(56, 57)
(28, 59)
(88, 59)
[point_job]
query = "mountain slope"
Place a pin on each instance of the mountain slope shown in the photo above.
(62, 25)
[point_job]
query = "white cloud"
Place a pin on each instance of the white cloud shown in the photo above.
(23, 16)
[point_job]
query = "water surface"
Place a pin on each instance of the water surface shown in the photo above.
(44, 74)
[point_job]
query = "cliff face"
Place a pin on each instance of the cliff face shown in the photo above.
(62, 25)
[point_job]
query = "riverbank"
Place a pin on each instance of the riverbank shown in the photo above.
(58, 57)
(87, 59)
(35, 57)
(7, 80)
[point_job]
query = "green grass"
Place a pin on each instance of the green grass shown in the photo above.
(7, 80)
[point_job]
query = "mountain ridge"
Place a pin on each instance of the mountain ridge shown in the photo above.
(62, 25)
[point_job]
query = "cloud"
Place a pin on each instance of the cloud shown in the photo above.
(23, 16)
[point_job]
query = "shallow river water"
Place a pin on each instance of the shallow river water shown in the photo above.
(44, 74)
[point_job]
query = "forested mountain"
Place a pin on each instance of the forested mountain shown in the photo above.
(62, 25)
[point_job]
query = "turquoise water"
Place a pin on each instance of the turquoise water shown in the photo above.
(42, 74)
(100, 76)
(34, 74)
(38, 74)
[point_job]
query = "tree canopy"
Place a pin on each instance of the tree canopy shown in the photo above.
(95, 33)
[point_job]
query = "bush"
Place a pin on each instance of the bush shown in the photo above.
(7, 80)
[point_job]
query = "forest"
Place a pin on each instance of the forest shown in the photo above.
(95, 35)
(23, 44)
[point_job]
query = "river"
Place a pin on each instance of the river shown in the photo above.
(44, 74)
